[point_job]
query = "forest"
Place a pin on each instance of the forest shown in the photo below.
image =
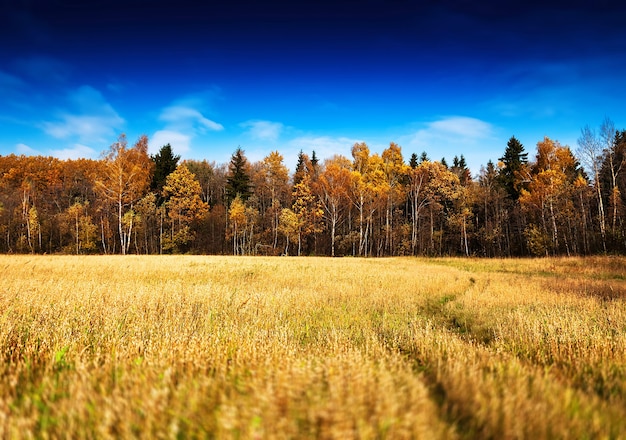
(559, 202)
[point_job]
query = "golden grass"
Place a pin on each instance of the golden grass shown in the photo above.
(236, 347)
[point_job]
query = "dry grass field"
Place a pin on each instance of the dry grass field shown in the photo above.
(236, 347)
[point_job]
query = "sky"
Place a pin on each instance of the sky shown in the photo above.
(446, 77)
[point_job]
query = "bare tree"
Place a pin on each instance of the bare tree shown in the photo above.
(607, 138)
(590, 154)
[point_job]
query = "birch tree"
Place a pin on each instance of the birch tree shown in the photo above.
(123, 181)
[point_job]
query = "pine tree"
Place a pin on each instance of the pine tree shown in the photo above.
(513, 160)
(238, 180)
(314, 160)
(300, 168)
(460, 169)
(413, 162)
(164, 164)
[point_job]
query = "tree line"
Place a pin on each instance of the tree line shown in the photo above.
(557, 203)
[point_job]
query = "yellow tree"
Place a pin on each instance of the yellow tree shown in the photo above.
(184, 207)
(368, 192)
(242, 220)
(358, 189)
(237, 224)
(272, 190)
(124, 179)
(395, 172)
(289, 226)
(307, 208)
(81, 228)
(333, 186)
(549, 195)
(377, 188)
(430, 184)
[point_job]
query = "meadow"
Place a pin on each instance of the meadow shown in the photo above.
(287, 347)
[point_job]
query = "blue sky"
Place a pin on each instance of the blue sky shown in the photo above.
(447, 77)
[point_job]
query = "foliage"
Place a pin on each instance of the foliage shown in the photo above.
(124, 178)
(184, 206)
(371, 204)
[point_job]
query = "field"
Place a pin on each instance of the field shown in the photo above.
(237, 347)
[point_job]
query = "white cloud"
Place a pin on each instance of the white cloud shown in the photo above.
(183, 117)
(91, 119)
(459, 131)
(180, 142)
(183, 123)
(26, 150)
(263, 130)
(75, 152)
(453, 136)
(324, 147)
(461, 126)
(86, 128)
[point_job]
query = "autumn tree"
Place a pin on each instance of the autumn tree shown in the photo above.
(333, 186)
(124, 178)
(359, 191)
(242, 219)
(184, 207)
(549, 196)
(79, 225)
(271, 184)
(395, 173)
(490, 211)
(432, 189)
(307, 209)
(212, 179)
(151, 223)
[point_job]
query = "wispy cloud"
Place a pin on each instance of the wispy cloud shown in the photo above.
(457, 130)
(26, 150)
(182, 117)
(324, 146)
(453, 136)
(86, 128)
(184, 120)
(75, 152)
(180, 142)
(91, 118)
(263, 130)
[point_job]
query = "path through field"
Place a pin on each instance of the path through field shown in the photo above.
(255, 347)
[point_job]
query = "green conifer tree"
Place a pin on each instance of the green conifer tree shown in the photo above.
(513, 160)
(238, 180)
(165, 163)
